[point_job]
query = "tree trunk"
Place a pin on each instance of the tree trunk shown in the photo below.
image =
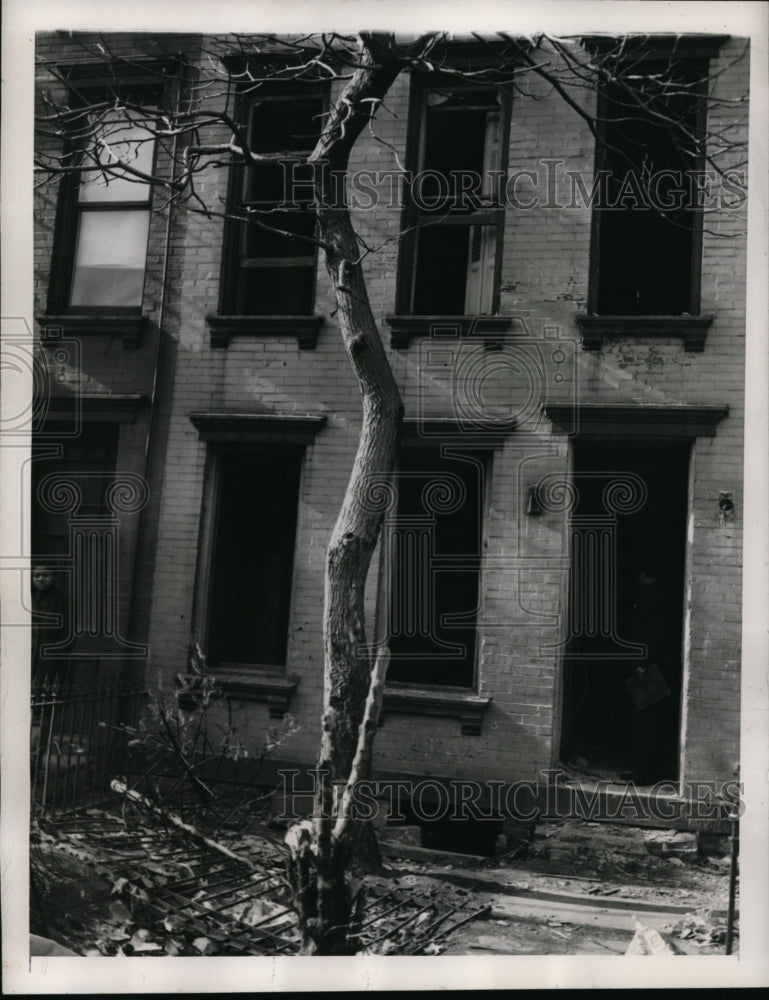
(321, 850)
(347, 661)
(320, 862)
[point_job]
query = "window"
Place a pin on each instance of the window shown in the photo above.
(266, 272)
(449, 262)
(435, 554)
(256, 500)
(113, 220)
(86, 467)
(646, 243)
(104, 212)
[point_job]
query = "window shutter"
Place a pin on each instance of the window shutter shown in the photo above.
(483, 239)
(480, 270)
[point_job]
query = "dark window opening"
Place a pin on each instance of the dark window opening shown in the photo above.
(647, 231)
(72, 526)
(266, 271)
(86, 467)
(449, 260)
(474, 832)
(435, 545)
(457, 128)
(253, 557)
(627, 591)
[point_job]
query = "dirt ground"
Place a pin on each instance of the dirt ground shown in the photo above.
(578, 888)
(575, 889)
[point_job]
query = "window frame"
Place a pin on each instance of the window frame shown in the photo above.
(467, 704)
(61, 422)
(439, 436)
(219, 454)
(646, 52)
(93, 84)
(230, 318)
(491, 215)
(218, 431)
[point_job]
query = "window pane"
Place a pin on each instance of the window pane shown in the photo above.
(454, 140)
(441, 271)
(276, 291)
(115, 238)
(283, 181)
(282, 126)
(264, 243)
(121, 142)
(110, 259)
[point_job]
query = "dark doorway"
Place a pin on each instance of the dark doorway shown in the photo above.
(258, 494)
(626, 609)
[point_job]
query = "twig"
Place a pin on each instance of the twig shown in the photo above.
(122, 789)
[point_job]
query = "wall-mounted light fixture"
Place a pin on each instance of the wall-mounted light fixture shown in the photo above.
(725, 503)
(725, 507)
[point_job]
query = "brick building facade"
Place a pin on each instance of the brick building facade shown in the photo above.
(580, 409)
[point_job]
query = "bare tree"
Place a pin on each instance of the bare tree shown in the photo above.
(321, 849)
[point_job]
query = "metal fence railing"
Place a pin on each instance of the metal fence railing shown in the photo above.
(79, 741)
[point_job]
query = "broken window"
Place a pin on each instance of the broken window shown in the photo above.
(269, 260)
(646, 246)
(449, 262)
(435, 543)
(253, 536)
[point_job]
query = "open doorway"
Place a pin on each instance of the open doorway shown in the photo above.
(626, 610)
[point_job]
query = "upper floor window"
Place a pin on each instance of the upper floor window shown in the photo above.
(113, 217)
(103, 220)
(454, 217)
(646, 227)
(269, 258)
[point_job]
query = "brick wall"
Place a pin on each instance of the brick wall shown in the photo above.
(544, 284)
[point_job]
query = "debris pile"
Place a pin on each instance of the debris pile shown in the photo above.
(170, 891)
(707, 929)
(648, 941)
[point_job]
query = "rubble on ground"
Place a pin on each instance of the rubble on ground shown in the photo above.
(672, 844)
(573, 887)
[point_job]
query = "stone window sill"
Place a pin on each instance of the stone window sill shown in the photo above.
(275, 689)
(406, 328)
(458, 703)
(129, 327)
(304, 328)
(693, 329)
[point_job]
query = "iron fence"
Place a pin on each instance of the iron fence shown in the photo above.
(80, 740)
